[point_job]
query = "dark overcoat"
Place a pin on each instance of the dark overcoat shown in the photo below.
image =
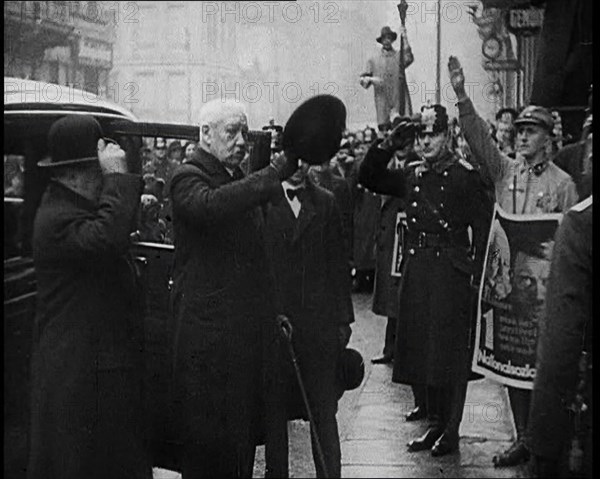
(565, 330)
(342, 192)
(87, 363)
(312, 283)
(433, 338)
(222, 303)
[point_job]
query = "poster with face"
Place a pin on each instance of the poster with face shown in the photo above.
(512, 296)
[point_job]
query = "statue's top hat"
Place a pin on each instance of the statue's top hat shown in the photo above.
(314, 131)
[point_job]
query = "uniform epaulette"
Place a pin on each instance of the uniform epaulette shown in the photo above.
(582, 205)
(465, 164)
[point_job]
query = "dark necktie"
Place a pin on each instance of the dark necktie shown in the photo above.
(295, 193)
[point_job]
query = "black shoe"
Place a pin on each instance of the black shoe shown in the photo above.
(385, 359)
(416, 414)
(445, 444)
(513, 456)
(426, 441)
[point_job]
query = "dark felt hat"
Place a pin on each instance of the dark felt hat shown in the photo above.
(387, 31)
(73, 141)
(350, 370)
(314, 131)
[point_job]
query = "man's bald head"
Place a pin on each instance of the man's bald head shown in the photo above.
(224, 130)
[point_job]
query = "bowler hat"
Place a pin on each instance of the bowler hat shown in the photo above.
(434, 119)
(314, 131)
(350, 370)
(536, 115)
(73, 141)
(389, 32)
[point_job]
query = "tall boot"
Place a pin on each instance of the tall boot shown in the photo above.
(453, 405)
(518, 452)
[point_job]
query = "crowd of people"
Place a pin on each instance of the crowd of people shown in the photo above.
(264, 263)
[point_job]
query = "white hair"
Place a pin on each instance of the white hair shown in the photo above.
(218, 109)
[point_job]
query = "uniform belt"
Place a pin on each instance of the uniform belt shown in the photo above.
(422, 239)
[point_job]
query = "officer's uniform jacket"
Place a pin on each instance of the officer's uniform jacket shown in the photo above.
(520, 188)
(442, 201)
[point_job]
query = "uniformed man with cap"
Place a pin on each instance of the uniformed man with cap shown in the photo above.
(445, 196)
(531, 184)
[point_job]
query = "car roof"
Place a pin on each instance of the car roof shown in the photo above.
(41, 97)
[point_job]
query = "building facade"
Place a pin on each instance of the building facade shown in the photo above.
(68, 43)
(170, 58)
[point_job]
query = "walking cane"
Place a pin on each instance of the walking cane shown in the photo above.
(287, 333)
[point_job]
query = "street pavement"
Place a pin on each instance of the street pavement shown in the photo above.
(374, 433)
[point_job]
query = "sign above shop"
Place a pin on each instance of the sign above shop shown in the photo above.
(525, 20)
(94, 52)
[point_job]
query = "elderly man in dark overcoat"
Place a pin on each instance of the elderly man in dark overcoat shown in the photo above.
(87, 366)
(304, 241)
(444, 196)
(222, 298)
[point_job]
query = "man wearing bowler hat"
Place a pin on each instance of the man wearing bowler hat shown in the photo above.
(311, 275)
(87, 363)
(531, 184)
(444, 197)
(388, 80)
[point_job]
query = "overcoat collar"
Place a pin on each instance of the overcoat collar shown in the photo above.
(212, 166)
(59, 190)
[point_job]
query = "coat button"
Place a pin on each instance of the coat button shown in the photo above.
(411, 251)
(414, 204)
(417, 189)
(445, 173)
(441, 205)
(413, 219)
(441, 188)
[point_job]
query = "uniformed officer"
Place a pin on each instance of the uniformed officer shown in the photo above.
(445, 196)
(530, 184)
(559, 404)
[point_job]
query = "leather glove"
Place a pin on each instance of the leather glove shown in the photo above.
(284, 166)
(401, 136)
(344, 333)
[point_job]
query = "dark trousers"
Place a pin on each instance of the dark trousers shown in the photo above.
(324, 427)
(420, 395)
(217, 460)
(520, 400)
(390, 337)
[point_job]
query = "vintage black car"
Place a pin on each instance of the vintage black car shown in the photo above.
(30, 108)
